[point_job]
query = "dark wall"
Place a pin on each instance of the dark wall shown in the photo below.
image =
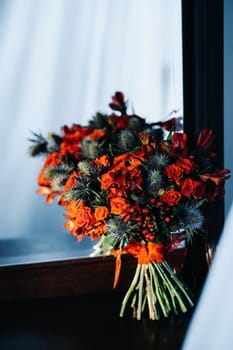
(228, 98)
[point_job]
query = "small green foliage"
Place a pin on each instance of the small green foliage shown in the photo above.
(39, 145)
(98, 121)
(58, 176)
(127, 140)
(90, 148)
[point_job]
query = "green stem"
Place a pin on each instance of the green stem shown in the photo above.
(151, 298)
(139, 309)
(173, 289)
(157, 291)
(178, 282)
(130, 290)
(144, 302)
(169, 287)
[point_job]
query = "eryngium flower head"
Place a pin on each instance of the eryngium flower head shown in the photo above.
(84, 166)
(121, 231)
(127, 140)
(159, 161)
(191, 218)
(90, 148)
(58, 182)
(82, 189)
(154, 180)
(58, 176)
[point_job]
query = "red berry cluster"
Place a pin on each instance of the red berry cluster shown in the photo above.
(147, 217)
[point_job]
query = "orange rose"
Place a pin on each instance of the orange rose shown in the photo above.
(106, 181)
(171, 197)
(188, 187)
(118, 205)
(101, 213)
(83, 216)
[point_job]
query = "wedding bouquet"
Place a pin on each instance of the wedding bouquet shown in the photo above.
(137, 188)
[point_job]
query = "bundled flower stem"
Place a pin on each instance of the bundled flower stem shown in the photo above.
(137, 188)
(158, 285)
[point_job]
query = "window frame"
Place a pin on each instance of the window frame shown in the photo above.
(202, 34)
(202, 26)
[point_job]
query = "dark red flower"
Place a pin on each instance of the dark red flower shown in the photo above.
(173, 124)
(205, 142)
(217, 177)
(200, 190)
(118, 122)
(188, 187)
(118, 102)
(214, 192)
(179, 147)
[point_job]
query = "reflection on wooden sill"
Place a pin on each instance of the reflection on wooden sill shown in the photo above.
(63, 278)
(21, 250)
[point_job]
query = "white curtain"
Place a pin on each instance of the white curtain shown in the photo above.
(60, 62)
(211, 325)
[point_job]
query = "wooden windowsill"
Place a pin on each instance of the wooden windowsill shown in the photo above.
(63, 278)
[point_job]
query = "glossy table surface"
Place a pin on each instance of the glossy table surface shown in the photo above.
(84, 322)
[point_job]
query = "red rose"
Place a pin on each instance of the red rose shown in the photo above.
(188, 187)
(171, 197)
(173, 172)
(186, 165)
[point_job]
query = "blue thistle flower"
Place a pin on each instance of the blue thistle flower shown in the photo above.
(120, 231)
(190, 219)
(90, 148)
(159, 161)
(127, 140)
(154, 180)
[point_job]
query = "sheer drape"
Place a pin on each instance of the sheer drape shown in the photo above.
(60, 62)
(211, 326)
